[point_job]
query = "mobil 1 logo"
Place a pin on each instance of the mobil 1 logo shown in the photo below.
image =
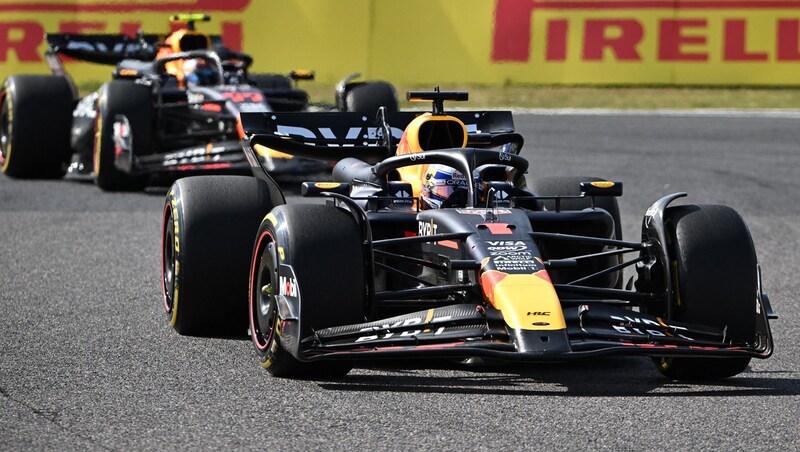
(512, 256)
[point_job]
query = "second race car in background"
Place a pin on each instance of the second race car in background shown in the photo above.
(172, 108)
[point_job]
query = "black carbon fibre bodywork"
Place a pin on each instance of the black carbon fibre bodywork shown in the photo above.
(497, 277)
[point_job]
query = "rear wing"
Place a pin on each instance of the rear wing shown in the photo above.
(104, 48)
(112, 48)
(335, 135)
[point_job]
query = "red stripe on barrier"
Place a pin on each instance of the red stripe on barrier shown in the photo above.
(660, 4)
(85, 7)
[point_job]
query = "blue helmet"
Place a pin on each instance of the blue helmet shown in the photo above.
(200, 72)
(441, 184)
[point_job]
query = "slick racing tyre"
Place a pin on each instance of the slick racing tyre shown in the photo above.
(280, 94)
(271, 82)
(35, 123)
(713, 265)
(570, 186)
(368, 97)
(207, 235)
(131, 100)
(307, 259)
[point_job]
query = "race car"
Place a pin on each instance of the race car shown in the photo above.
(430, 245)
(171, 108)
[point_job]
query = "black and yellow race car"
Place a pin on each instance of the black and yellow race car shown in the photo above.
(430, 244)
(171, 108)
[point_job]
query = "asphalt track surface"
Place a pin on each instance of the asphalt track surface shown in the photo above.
(89, 362)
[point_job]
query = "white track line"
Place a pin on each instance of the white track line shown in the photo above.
(735, 113)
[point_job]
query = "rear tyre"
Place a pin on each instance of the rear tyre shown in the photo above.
(35, 123)
(207, 234)
(308, 256)
(570, 186)
(368, 97)
(270, 81)
(129, 99)
(280, 93)
(713, 265)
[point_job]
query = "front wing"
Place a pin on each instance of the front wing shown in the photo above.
(470, 330)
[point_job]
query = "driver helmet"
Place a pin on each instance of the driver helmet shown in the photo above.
(199, 72)
(443, 186)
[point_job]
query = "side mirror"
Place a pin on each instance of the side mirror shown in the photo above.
(301, 74)
(601, 188)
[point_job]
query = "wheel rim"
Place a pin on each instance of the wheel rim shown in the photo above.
(263, 293)
(168, 262)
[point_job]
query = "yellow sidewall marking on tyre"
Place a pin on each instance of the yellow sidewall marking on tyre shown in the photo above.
(10, 131)
(176, 247)
(98, 135)
(174, 319)
(273, 347)
(97, 145)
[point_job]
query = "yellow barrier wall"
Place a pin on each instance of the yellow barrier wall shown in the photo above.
(451, 41)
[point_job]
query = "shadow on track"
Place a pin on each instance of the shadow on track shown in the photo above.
(615, 377)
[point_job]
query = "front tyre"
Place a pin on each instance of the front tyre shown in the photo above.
(207, 234)
(307, 274)
(713, 264)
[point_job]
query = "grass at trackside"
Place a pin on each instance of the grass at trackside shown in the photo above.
(521, 96)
